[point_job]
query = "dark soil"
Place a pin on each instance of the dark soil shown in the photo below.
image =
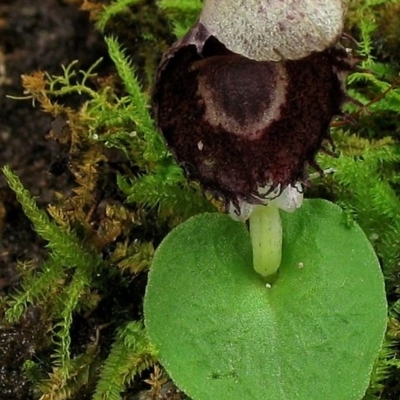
(34, 35)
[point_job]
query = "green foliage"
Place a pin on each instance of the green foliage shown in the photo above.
(63, 246)
(244, 340)
(67, 273)
(385, 365)
(65, 384)
(154, 149)
(114, 8)
(364, 184)
(182, 13)
(168, 190)
(376, 84)
(131, 353)
(34, 288)
(366, 16)
(134, 257)
(33, 372)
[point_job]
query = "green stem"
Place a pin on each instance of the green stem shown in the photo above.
(266, 239)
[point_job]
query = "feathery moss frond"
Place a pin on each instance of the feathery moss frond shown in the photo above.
(385, 364)
(114, 8)
(134, 257)
(79, 374)
(66, 252)
(130, 354)
(35, 288)
(168, 190)
(70, 301)
(181, 13)
(156, 148)
(64, 246)
(365, 178)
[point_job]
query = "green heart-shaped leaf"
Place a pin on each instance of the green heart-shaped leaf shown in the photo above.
(222, 334)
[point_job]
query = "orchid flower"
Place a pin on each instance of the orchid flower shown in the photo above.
(246, 102)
